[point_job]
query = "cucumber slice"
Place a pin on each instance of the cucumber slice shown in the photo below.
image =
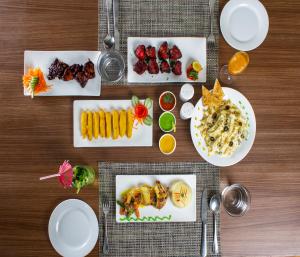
(148, 103)
(148, 120)
(134, 100)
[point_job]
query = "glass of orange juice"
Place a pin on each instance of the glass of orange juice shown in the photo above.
(236, 65)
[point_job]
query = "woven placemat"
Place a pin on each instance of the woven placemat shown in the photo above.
(180, 239)
(163, 18)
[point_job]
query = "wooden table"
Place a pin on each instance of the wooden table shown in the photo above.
(36, 135)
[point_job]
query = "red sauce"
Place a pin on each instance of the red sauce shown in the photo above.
(167, 101)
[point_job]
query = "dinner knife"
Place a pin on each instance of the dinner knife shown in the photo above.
(204, 208)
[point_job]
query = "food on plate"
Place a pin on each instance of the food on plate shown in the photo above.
(167, 144)
(223, 126)
(141, 110)
(34, 82)
(150, 52)
(96, 124)
(140, 196)
(129, 123)
(175, 53)
(102, 123)
(90, 125)
(153, 67)
(83, 124)
(167, 122)
(108, 124)
(81, 73)
(176, 68)
(140, 52)
(193, 70)
(164, 67)
(167, 101)
(163, 51)
(181, 194)
(122, 123)
(115, 124)
(140, 67)
(168, 59)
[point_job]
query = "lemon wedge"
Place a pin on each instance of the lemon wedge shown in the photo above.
(196, 66)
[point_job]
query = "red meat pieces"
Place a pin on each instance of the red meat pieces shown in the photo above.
(153, 67)
(140, 52)
(165, 67)
(150, 52)
(163, 51)
(140, 67)
(175, 53)
(176, 69)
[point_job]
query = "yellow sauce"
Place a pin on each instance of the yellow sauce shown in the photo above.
(167, 144)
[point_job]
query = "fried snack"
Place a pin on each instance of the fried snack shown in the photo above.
(108, 124)
(90, 125)
(96, 124)
(130, 120)
(206, 96)
(122, 123)
(102, 122)
(115, 123)
(217, 91)
(215, 98)
(83, 122)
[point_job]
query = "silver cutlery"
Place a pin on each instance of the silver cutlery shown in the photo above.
(116, 19)
(214, 205)
(109, 40)
(105, 209)
(204, 223)
(211, 38)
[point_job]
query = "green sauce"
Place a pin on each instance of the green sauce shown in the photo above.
(167, 121)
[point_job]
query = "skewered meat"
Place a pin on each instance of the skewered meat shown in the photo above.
(163, 51)
(153, 66)
(165, 67)
(76, 68)
(140, 52)
(140, 67)
(81, 78)
(68, 75)
(176, 69)
(89, 69)
(150, 52)
(57, 69)
(175, 53)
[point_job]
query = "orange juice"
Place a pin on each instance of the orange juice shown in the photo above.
(238, 63)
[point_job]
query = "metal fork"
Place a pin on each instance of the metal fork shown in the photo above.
(105, 208)
(211, 38)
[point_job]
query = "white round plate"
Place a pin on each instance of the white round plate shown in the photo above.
(239, 100)
(244, 24)
(73, 228)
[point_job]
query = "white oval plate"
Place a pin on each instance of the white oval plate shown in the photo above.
(73, 228)
(239, 100)
(244, 24)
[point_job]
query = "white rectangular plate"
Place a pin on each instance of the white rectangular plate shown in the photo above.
(141, 135)
(43, 60)
(169, 213)
(192, 48)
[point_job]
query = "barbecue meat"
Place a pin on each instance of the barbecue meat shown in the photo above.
(140, 52)
(81, 78)
(176, 69)
(140, 67)
(153, 66)
(57, 69)
(150, 52)
(163, 51)
(76, 68)
(89, 69)
(165, 67)
(175, 53)
(68, 75)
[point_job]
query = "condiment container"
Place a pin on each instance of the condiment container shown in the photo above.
(167, 144)
(186, 111)
(186, 92)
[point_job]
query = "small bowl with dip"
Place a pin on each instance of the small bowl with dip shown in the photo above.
(167, 144)
(167, 101)
(167, 122)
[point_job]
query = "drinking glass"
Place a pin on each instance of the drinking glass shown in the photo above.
(236, 65)
(236, 200)
(111, 66)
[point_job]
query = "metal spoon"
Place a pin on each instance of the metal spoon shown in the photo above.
(109, 40)
(214, 205)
